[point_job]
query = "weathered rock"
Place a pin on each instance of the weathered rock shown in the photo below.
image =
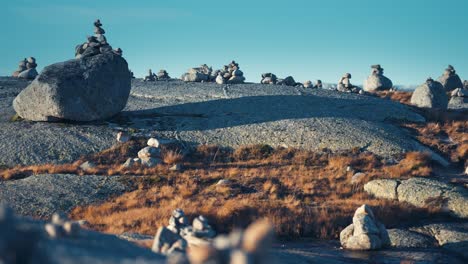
(220, 79)
(92, 88)
(430, 95)
(358, 177)
(149, 152)
(421, 191)
(384, 188)
(450, 80)
(28, 74)
(153, 142)
(458, 103)
(236, 80)
(451, 236)
(130, 162)
(377, 83)
(400, 238)
(166, 241)
(365, 233)
(307, 84)
(122, 137)
(151, 162)
(288, 81)
(87, 166)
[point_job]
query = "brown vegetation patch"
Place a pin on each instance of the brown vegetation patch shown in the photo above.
(303, 193)
(399, 96)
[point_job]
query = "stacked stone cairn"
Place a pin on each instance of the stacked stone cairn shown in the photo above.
(431, 94)
(60, 227)
(269, 78)
(230, 74)
(96, 44)
(162, 75)
(200, 74)
(149, 156)
(377, 81)
(179, 234)
(26, 69)
(450, 79)
(458, 99)
(151, 77)
(318, 84)
(365, 233)
(344, 85)
(308, 84)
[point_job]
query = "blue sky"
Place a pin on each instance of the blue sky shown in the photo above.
(308, 39)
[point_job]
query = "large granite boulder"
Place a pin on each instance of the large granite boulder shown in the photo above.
(365, 233)
(430, 95)
(377, 81)
(450, 79)
(86, 89)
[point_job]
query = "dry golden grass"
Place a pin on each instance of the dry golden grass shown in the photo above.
(303, 193)
(399, 96)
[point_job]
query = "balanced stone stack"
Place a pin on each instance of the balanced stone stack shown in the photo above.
(365, 233)
(179, 234)
(200, 74)
(163, 75)
(431, 94)
(269, 78)
(26, 69)
(96, 44)
(151, 77)
(458, 99)
(377, 81)
(344, 85)
(318, 84)
(450, 79)
(230, 74)
(93, 86)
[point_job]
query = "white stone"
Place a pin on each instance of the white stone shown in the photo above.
(152, 142)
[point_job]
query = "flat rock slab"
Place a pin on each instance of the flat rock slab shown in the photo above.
(42, 195)
(27, 143)
(235, 115)
(422, 192)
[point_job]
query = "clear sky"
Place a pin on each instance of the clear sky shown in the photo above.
(308, 39)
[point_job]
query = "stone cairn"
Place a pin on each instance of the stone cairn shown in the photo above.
(149, 156)
(179, 234)
(450, 79)
(61, 226)
(162, 75)
(96, 44)
(318, 84)
(344, 85)
(365, 233)
(26, 69)
(431, 94)
(230, 74)
(200, 74)
(269, 78)
(151, 77)
(377, 81)
(308, 84)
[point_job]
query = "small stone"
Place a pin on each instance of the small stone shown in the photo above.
(178, 213)
(200, 223)
(176, 167)
(358, 177)
(129, 163)
(149, 152)
(152, 142)
(137, 161)
(71, 228)
(223, 182)
(308, 84)
(54, 231)
(88, 165)
(122, 137)
(151, 162)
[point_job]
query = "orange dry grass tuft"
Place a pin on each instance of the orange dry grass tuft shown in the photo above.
(172, 156)
(399, 96)
(303, 193)
(415, 164)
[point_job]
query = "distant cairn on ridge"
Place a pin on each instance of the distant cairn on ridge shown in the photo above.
(450, 79)
(96, 44)
(229, 74)
(26, 69)
(344, 85)
(377, 81)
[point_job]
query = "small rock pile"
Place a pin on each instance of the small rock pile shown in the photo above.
(431, 94)
(318, 84)
(269, 78)
(344, 85)
(179, 234)
(288, 81)
(458, 99)
(250, 246)
(96, 44)
(308, 84)
(365, 233)
(149, 156)
(26, 69)
(162, 75)
(60, 227)
(151, 77)
(377, 81)
(230, 74)
(450, 79)
(200, 74)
